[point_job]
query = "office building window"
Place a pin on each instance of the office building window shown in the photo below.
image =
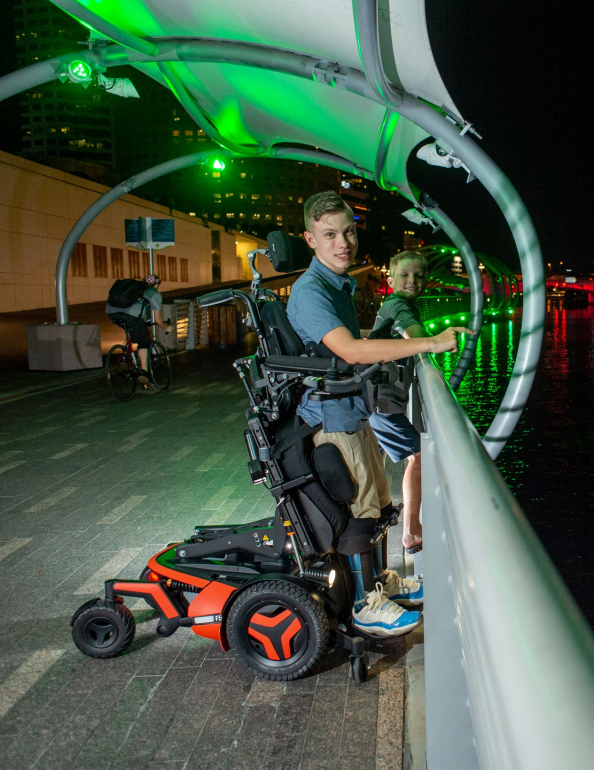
(117, 263)
(134, 263)
(183, 268)
(162, 266)
(172, 265)
(78, 261)
(100, 261)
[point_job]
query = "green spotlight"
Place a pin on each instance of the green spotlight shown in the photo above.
(510, 310)
(79, 71)
(218, 165)
(431, 326)
(463, 318)
(446, 320)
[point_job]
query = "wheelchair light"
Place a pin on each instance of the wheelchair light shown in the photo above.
(320, 575)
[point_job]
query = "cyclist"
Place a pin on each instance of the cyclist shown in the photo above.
(134, 319)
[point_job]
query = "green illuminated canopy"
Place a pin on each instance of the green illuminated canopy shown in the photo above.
(253, 107)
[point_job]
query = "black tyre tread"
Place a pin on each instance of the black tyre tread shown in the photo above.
(162, 352)
(121, 351)
(291, 592)
(129, 625)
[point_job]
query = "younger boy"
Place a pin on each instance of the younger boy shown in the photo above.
(322, 311)
(396, 436)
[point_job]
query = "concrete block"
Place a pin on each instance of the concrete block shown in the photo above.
(64, 348)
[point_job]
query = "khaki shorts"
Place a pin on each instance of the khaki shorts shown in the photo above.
(361, 454)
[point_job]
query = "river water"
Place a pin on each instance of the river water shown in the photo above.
(549, 461)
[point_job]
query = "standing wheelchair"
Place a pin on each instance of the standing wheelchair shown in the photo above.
(277, 591)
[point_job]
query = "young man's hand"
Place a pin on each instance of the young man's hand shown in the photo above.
(447, 341)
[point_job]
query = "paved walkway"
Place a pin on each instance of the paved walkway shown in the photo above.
(89, 489)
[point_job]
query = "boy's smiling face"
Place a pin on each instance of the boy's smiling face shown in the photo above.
(334, 238)
(408, 279)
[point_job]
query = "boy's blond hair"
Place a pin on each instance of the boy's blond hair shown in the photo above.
(408, 255)
(318, 205)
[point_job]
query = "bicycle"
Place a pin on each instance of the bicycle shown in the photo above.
(122, 367)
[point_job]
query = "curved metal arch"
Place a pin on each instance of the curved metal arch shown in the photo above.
(476, 291)
(101, 204)
(508, 200)
(162, 169)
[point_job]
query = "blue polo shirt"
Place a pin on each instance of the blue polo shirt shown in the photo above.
(320, 301)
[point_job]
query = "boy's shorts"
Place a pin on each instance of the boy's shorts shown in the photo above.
(396, 436)
(361, 454)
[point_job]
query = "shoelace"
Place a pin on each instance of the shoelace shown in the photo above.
(381, 601)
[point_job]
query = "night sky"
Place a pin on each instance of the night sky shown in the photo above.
(519, 72)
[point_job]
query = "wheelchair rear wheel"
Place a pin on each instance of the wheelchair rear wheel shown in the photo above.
(160, 366)
(121, 373)
(277, 630)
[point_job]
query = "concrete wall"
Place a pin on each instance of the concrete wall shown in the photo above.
(38, 207)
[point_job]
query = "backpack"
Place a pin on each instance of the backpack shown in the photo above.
(125, 292)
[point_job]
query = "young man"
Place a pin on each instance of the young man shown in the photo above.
(134, 320)
(322, 311)
(396, 436)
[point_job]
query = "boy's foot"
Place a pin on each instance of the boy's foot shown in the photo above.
(143, 377)
(379, 616)
(402, 590)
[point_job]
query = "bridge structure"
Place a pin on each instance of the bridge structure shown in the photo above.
(353, 85)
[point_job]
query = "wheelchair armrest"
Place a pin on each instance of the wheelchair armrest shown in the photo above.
(309, 365)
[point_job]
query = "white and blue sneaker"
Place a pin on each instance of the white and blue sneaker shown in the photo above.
(402, 590)
(379, 616)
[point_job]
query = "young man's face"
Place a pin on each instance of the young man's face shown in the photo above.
(334, 238)
(408, 279)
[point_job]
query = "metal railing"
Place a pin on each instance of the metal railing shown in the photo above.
(509, 659)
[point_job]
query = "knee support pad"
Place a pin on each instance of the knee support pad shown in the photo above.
(356, 538)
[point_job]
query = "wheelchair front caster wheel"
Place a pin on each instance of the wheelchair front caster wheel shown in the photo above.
(360, 668)
(102, 632)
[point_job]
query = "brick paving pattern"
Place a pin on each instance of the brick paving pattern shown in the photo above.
(89, 489)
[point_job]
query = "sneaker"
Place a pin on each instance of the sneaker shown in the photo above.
(143, 377)
(402, 590)
(379, 616)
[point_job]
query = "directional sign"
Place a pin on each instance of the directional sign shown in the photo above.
(149, 233)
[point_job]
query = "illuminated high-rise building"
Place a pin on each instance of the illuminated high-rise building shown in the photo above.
(59, 120)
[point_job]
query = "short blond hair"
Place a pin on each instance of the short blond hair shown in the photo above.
(328, 202)
(397, 258)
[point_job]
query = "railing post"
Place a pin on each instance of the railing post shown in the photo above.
(450, 734)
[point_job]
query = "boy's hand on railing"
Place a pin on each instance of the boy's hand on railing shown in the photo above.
(447, 341)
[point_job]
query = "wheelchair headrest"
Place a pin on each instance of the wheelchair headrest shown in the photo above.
(288, 252)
